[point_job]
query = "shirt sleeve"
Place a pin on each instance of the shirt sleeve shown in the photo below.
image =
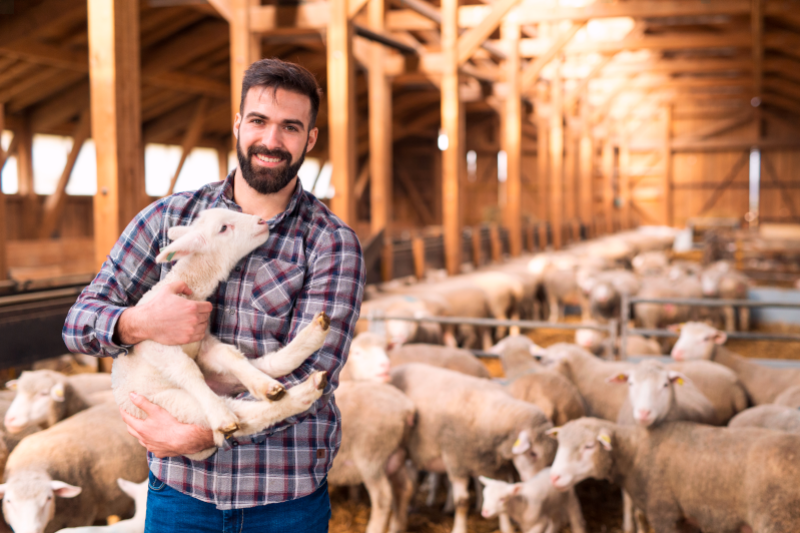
(335, 284)
(129, 271)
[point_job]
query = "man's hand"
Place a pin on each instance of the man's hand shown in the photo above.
(162, 435)
(167, 318)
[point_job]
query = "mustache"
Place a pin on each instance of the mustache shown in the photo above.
(263, 150)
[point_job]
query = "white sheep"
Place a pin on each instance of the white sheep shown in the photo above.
(137, 491)
(173, 376)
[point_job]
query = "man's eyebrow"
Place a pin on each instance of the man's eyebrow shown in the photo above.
(292, 121)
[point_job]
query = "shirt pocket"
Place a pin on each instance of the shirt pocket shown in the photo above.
(275, 288)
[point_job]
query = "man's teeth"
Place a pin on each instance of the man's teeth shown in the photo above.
(268, 159)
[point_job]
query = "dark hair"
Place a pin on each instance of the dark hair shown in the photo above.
(278, 74)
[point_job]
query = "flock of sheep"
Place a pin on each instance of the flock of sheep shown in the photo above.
(414, 401)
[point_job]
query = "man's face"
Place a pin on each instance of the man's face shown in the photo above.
(272, 137)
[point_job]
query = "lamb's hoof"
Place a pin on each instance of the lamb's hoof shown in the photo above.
(276, 393)
(229, 430)
(321, 380)
(323, 320)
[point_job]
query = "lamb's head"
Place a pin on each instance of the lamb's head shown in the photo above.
(533, 450)
(367, 360)
(651, 390)
(29, 500)
(590, 339)
(221, 235)
(39, 400)
(399, 332)
(696, 341)
(496, 494)
(137, 491)
(584, 447)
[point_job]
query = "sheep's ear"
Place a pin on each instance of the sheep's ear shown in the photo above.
(57, 392)
(622, 377)
(176, 232)
(553, 432)
(2, 490)
(605, 440)
(186, 245)
(128, 487)
(63, 490)
(720, 337)
(675, 328)
(676, 377)
(486, 481)
(522, 444)
(12, 385)
(536, 351)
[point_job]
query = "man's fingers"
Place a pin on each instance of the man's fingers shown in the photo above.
(180, 287)
(144, 404)
(204, 307)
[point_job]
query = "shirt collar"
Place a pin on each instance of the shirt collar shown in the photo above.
(225, 198)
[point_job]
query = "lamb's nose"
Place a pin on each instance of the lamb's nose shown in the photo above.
(554, 478)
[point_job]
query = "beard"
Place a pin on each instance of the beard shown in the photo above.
(268, 180)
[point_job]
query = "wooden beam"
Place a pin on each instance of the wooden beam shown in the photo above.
(512, 138)
(557, 158)
(3, 222)
(542, 166)
(190, 139)
(469, 43)
(28, 20)
(342, 110)
(416, 199)
(757, 27)
(534, 68)
(245, 47)
(25, 178)
(583, 85)
(607, 168)
(313, 15)
(453, 130)
(116, 118)
(223, 7)
(222, 162)
(718, 128)
(362, 180)
(586, 167)
(784, 103)
(380, 127)
(669, 199)
(418, 253)
(54, 205)
(624, 173)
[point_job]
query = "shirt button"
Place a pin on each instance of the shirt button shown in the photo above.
(238, 269)
(234, 444)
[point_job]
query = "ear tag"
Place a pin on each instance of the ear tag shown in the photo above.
(622, 377)
(59, 393)
(679, 381)
(517, 443)
(605, 438)
(170, 256)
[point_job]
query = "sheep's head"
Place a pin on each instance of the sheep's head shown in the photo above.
(29, 500)
(584, 447)
(533, 449)
(220, 234)
(39, 400)
(696, 341)
(496, 494)
(650, 390)
(367, 360)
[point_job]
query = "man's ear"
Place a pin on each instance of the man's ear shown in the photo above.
(313, 135)
(237, 123)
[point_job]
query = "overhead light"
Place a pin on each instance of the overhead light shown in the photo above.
(442, 141)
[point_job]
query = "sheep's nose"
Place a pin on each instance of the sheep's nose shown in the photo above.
(643, 414)
(261, 221)
(554, 478)
(677, 354)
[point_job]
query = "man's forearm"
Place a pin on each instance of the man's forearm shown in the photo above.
(128, 330)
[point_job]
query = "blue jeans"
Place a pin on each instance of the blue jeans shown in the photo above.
(170, 511)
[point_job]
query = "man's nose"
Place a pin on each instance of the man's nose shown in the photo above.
(271, 137)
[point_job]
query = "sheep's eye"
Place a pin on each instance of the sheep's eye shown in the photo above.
(666, 385)
(44, 393)
(223, 228)
(589, 446)
(49, 497)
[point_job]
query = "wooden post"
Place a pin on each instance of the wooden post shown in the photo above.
(495, 243)
(25, 180)
(190, 139)
(453, 158)
(607, 166)
(477, 249)
(543, 165)
(512, 137)
(586, 169)
(3, 222)
(342, 111)
(245, 47)
(625, 184)
(222, 159)
(557, 157)
(530, 239)
(418, 253)
(114, 73)
(380, 137)
(669, 199)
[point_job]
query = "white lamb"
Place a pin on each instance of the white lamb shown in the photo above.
(173, 376)
(137, 491)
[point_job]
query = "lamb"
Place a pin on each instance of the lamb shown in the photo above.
(468, 426)
(790, 397)
(604, 290)
(376, 420)
(560, 274)
(650, 263)
(599, 344)
(653, 315)
(454, 359)
(504, 296)
(681, 473)
(399, 332)
(79, 458)
(173, 376)
(720, 280)
(763, 385)
(517, 355)
(768, 416)
(534, 505)
(44, 397)
(137, 491)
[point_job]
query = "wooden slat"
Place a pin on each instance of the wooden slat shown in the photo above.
(556, 173)
(757, 27)
(542, 166)
(453, 127)
(512, 138)
(3, 158)
(223, 7)
(586, 167)
(380, 126)
(310, 15)
(534, 68)
(116, 118)
(341, 110)
(25, 178)
(244, 47)
(187, 46)
(190, 139)
(26, 22)
(39, 87)
(469, 43)
(54, 205)
(415, 198)
(624, 172)
(666, 186)
(718, 128)
(607, 168)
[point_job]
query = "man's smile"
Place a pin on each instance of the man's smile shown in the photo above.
(268, 161)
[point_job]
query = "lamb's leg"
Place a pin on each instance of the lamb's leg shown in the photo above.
(478, 493)
(287, 359)
(505, 523)
(449, 503)
(555, 311)
(255, 416)
(744, 319)
(627, 514)
(380, 497)
(185, 408)
(461, 500)
(221, 358)
(730, 318)
(432, 480)
(402, 491)
(515, 315)
(577, 524)
(183, 372)
(449, 335)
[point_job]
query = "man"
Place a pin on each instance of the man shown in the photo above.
(311, 262)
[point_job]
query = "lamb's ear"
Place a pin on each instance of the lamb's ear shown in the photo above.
(63, 490)
(536, 351)
(553, 432)
(720, 337)
(676, 377)
(622, 377)
(11, 385)
(128, 487)
(605, 439)
(57, 392)
(176, 232)
(487, 481)
(2, 490)
(522, 444)
(186, 245)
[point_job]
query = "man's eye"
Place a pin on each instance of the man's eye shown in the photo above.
(223, 228)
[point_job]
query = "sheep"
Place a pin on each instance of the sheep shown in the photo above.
(790, 397)
(44, 397)
(367, 360)
(468, 426)
(768, 416)
(604, 290)
(650, 263)
(173, 376)
(653, 315)
(560, 274)
(763, 385)
(534, 505)
(720, 280)
(454, 359)
(517, 355)
(401, 332)
(685, 474)
(599, 344)
(505, 294)
(78, 458)
(137, 491)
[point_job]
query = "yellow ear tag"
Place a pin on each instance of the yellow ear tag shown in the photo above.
(59, 393)
(679, 381)
(622, 377)
(517, 443)
(605, 438)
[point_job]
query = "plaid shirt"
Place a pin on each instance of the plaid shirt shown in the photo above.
(311, 262)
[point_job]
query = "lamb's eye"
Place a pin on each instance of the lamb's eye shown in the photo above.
(223, 229)
(589, 446)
